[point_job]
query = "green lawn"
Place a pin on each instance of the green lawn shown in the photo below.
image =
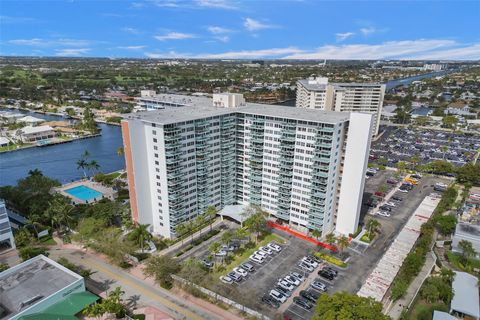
(14, 147)
(47, 241)
(421, 310)
(241, 258)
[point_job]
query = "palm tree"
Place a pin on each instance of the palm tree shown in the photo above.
(213, 249)
(372, 226)
(93, 165)
(82, 163)
(330, 238)
(316, 233)
(342, 243)
(241, 233)
(141, 234)
(191, 227)
(120, 151)
(35, 172)
(256, 223)
(227, 236)
(210, 214)
(444, 150)
(199, 220)
(180, 230)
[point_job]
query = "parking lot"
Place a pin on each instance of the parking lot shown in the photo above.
(401, 144)
(363, 257)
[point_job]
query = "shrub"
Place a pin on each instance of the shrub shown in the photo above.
(330, 259)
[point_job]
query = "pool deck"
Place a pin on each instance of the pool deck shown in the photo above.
(107, 192)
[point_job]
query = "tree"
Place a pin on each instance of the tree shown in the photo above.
(180, 230)
(82, 163)
(210, 214)
(316, 233)
(59, 212)
(141, 235)
(447, 275)
(446, 224)
(469, 173)
(401, 166)
(3, 267)
(93, 166)
(399, 288)
(342, 242)
(227, 237)
(256, 223)
(343, 305)
(402, 116)
(199, 221)
(120, 151)
(161, 269)
(214, 248)
(430, 292)
(444, 150)
(30, 252)
(467, 249)
(372, 226)
(241, 233)
(450, 122)
(423, 121)
(113, 303)
(330, 238)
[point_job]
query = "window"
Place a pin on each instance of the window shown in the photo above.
(154, 139)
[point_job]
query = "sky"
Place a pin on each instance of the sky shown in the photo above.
(234, 29)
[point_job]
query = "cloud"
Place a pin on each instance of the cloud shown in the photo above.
(254, 25)
(12, 20)
(246, 54)
(38, 42)
(131, 30)
(71, 52)
(218, 30)
(222, 38)
(470, 52)
(132, 47)
(175, 36)
(385, 50)
(218, 4)
(344, 36)
(166, 55)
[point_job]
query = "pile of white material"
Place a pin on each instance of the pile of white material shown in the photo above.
(382, 276)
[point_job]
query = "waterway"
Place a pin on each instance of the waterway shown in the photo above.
(59, 161)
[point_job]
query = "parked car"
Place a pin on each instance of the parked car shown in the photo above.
(390, 204)
(404, 190)
(385, 208)
(266, 249)
(380, 194)
(302, 302)
(332, 270)
(392, 181)
(325, 274)
(247, 266)
(227, 248)
(226, 279)
(283, 291)
(221, 253)
(297, 276)
(285, 285)
(307, 295)
(278, 296)
(305, 267)
(292, 280)
(261, 253)
(257, 259)
(269, 301)
(319, 286)
(309, 261)
(396, 198)
(235, 276)
(240, 271)
(274, 247)
(207, 263)
(416, 176)
(383, 214)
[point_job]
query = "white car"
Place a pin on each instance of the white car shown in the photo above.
(266, 249)
(257, 259)
(274, 247)
(285, 285)
(319, 286)
(292, 280)
(221, 253)
(310, 262)
(226, 279)
(403, 190)
(261, 253)
(298, 276)
(383, 214)
(391, 204)
(305, 267)
(278, 296)
(240, 271)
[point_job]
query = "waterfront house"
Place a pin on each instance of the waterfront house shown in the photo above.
(32, 134)
(4, 142)
(31, 121)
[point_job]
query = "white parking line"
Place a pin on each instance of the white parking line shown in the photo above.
(290, 310)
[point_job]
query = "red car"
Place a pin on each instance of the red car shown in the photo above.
(380, 194)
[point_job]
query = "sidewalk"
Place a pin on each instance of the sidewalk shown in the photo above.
(187, 240)
(395, 310)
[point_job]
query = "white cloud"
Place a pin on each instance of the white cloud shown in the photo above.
(246, 54)
(344, 36)
(132, 47)
(175, 36)
(470, 52)
(131, 30)
(218, 30)
(385, 50)
(71, 52)
(11, 20)
(218, 4)
(254, 25)
(166, 55)
(368, 30)
(38, 42)
(222, 38)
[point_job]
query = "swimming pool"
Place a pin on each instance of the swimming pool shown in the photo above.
(84, 193)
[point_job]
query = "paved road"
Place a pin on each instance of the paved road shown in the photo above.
(135, 289)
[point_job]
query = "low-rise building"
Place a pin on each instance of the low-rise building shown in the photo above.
(31, 121)
(465, 303)
(41, 288)
(32, 134)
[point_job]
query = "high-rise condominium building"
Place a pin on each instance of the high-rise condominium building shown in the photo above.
(305, 167)
(318, 93)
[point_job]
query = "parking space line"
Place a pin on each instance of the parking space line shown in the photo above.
(290, 310)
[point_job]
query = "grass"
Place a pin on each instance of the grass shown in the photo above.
(331, 259)
(47, 241)
(455, 260)
(243, 256)
(422, 310)
(14, 147)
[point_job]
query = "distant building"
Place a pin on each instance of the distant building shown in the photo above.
(4, 142)
(465, 303)
(7, 241)
(40, 288)
(434, 67)
(318, 93)
(459, 109)
(468, 232)
(33, 134)
(152, 101)
(304, 167)
(31, 121)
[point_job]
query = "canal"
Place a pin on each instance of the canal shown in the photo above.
(59, 161)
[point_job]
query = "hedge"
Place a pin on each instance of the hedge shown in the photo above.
(330, 259)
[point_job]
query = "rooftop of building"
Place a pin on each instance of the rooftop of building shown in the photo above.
(466, 297)
(203, 108)
(320, 84)
(30, 282)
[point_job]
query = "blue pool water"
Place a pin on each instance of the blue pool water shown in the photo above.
(84, 193)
